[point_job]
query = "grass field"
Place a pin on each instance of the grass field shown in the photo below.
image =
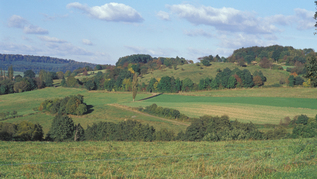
(233, 159)
(261, 106)
(24, 103)
(195, 72)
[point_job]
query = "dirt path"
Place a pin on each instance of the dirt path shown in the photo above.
(145, 114)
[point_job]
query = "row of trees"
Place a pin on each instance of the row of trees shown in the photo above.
(206, 128)
(18, 84)
(164, 112)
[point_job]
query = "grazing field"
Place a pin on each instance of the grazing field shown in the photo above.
(262, 107)
(196, 73)
(24, 103)
(232, 159)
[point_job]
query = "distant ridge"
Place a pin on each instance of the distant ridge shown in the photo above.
(37, 63)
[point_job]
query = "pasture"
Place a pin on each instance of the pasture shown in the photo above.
(232, 159)
(261, 106)
(24, 103)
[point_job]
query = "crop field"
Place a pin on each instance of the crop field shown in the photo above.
(195, 73)
(24, 103)
(263, 107)
(233, 159)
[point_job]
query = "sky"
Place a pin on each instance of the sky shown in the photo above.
(100, 31)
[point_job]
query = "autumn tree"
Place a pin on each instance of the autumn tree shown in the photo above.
(265, 63)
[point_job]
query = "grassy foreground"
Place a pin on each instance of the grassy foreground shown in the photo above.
(232, 159)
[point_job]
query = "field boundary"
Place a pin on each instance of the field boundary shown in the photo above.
(145, 114)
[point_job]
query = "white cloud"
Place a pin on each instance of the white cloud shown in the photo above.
(64, 49)
(157, 52)
(223, 19)
(48, 17)
(87, 42)
(116, 12)
(304, 19)
(198, 32)
(234, 41)
(163, 15)
(13, 48)
(51, 39)
(17, 21)
(28, 28)
(31, 29)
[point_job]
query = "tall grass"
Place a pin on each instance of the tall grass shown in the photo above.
(232, 159)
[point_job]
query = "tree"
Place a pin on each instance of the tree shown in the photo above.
(187, 84)
(62, 128)
(10, 72)
(257, 81)
(27, 131)
(29, 73)
(311, 69)
(150, 87)
(79, 133)
(291, 80)
(231, 82)
(205, 62)
(134, 85)
(265, 63)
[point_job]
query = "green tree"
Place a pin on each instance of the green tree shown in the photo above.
(205, 62)
(29, 73)
(165, 84)
(79, 133)
(135, 85)
(231, 82)
(291, 80)
(187, 84)
(311, 69)
(10, 72)
(62, 128)
(27, 131)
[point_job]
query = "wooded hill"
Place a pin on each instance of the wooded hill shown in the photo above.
(37, 63)
(280, 54)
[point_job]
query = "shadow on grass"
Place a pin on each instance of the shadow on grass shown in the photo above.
(150, 97)
(89, 109)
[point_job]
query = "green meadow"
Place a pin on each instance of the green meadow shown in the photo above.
(24, 103)
(261, 106)
(233, 159)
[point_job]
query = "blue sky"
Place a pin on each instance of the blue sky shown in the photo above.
(102, 31)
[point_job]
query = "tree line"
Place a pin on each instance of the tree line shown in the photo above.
(38, 63)
(205, 128)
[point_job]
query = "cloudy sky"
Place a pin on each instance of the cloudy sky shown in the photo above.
(102, 31)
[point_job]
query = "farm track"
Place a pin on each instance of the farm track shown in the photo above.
(145, 114)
